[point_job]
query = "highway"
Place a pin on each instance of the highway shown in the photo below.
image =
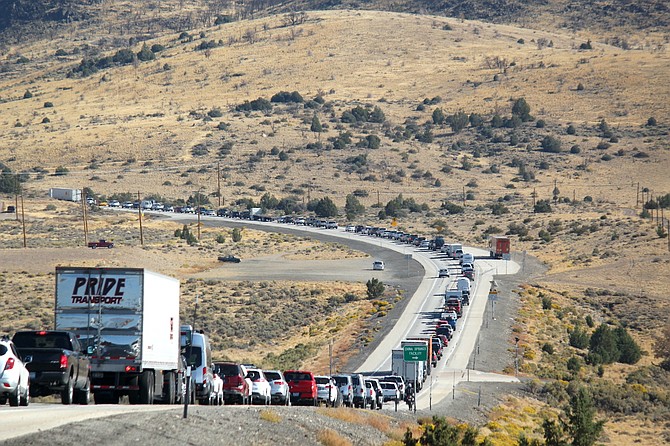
(415, 320)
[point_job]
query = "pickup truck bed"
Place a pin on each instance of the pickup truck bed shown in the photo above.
(57, 366)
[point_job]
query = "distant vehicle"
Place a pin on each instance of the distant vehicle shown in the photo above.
(359, 390)
(346, 386)
(400, 382)
(102, 243)
(279, 391)
(350, 228)
(260, 387)
(230, 259)
(375, 394)
(200, 357)
(390, 391)
(58, 365)
(331, 225)
(127, 205)
(467, 258)
(444, 272)
(499, 246)
(303, 387)
(327, 390)
(378, 265)
(15, 378)
(114, 204)
(209, 212)
(236, 386)
(10, 209)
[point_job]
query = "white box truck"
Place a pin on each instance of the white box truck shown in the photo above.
(127, 319)
(453, 250)
(60, 193)
(411, 372)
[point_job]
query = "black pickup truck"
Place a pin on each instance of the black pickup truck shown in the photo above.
(58, 365)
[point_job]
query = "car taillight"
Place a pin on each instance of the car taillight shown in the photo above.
(63, 361)
(41, 333)
(278, 383)
(9, 364)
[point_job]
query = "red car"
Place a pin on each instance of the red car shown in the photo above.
(236, 385)
(302, 386)
(101, 244)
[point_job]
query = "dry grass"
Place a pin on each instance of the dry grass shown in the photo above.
(269, 415)
(329, 437)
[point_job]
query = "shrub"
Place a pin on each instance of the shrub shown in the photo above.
(575, 149)
(220, 238)
(651, 122)
(546, 301)
(27, 95)
(46, 120)
(60, 52)
(61, 170)
(574, 364)
(542, 206)
(157, 48)
(145, 54)
(580, 87)
(551, 144)
(259, 104)
(237, 235)
(285, 97)
(540, 124)
(521, 109)
(215, 113)
(589, 321)
(548, 348)
(579, 338)
(48, 104)
(375, 288)
(571, 130)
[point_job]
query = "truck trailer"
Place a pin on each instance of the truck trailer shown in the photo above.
(412, 372)
(60, 193)
(499, 247)
(127, 319)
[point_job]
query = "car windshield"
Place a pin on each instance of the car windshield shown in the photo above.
(294, 376)
(195, 357)
(48, 340)
(272, 376)
(387, 385)
(321, 380)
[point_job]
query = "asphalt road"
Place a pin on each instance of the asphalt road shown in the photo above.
(414, 270)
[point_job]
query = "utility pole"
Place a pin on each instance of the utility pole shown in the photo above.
(637, 195)
(218, 181)
(198, 216)
(139, 210)
(83, 208)
(23, 219)
(463, 195)
(16, 204)
(378, 202)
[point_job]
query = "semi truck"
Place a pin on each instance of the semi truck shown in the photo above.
(127, 320)
(60, 193)
(499, 247)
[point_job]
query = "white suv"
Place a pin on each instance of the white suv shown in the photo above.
(14, 376)
(378, 265)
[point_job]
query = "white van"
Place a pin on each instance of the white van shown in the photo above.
(467, 258)
(464, 285)
(199, 357)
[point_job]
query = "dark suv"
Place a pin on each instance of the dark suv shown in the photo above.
(235, 385)
(302, 386)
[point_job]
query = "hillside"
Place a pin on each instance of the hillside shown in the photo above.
(421, 119)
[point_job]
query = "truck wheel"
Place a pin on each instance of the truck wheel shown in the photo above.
(83, 396)
(67, 394)
(169, 389)
(146, 387)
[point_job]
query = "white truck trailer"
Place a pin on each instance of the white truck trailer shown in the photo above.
(60, 193)
(412, 372)
(127, 319)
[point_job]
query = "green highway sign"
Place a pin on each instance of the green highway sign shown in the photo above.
(415, 353)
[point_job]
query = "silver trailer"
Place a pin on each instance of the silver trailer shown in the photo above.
(60, 193)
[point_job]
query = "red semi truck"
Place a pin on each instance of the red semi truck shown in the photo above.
(499, 247)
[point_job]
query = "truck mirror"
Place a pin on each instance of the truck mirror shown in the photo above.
(28, 359)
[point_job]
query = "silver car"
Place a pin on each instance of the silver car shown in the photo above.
(346, 385)
(14, 376)
(279, 392)
(326, 390)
